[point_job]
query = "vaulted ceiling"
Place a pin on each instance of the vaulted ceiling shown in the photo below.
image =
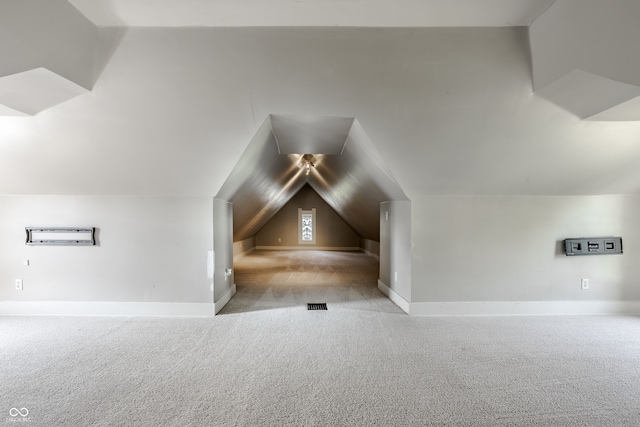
(344, 169)
(456, 97)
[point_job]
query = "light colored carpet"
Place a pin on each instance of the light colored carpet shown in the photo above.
(352, 365)
(278, 279)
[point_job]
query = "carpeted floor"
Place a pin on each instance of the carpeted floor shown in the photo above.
(360, 363)
(279, 279)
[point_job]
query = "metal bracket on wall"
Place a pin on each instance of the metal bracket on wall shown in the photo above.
(60, 236)
(593, 246)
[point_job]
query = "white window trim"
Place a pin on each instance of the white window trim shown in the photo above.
(312, 211)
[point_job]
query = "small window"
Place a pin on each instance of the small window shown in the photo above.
(306, 226)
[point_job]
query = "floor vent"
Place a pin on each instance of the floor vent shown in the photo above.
(317, 306)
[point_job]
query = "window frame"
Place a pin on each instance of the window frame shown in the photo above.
(301, 212)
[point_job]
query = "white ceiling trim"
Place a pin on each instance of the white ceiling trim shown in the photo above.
(285, 13)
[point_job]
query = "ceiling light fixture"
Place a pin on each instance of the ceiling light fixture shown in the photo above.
(308, 162)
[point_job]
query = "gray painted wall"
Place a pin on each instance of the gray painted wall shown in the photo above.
(331, 230)
(244, 246)
(510, 249)
(371, 247)
(150, 249)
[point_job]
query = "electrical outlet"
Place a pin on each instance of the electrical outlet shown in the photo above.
(584, 284)
(18, 284)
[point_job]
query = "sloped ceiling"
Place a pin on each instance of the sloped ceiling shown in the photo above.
(46, 61)
(348, 173)
(32, 91)
(584, 58)
(451, 109)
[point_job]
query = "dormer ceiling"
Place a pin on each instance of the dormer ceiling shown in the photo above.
(348, 173)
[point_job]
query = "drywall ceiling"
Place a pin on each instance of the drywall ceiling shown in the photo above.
(48, 61)
(584, 58)
(170, 111)
(310, 134)
(348, 173)
(326, 13)
(32, 91)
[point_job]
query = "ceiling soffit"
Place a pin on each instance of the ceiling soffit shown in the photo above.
(588, 96)
(583, 56)
(310, 134)
(46, 61)
(33, 91)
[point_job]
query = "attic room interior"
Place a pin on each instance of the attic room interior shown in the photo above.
(345, 181)
(442, 167)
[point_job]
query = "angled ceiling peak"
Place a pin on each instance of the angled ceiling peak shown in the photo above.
(348, 173)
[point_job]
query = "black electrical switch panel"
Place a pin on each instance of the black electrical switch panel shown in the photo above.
(593, 246)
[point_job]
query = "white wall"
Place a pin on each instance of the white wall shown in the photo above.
(150, 249)
(395, 249)
(224, 286)
(510, 248)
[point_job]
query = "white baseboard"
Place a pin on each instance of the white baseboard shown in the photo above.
(225, 298)
(371, 254)
(307, 248)
(523, 308)
(247, 252)
(510, 308)
(393, 296)
(489, 308)
(85, 308)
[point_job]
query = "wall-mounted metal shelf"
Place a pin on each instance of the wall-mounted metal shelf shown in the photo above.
(58, 236)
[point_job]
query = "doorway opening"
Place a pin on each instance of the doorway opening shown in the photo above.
(349, 181)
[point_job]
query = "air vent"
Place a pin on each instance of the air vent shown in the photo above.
(317, 306)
